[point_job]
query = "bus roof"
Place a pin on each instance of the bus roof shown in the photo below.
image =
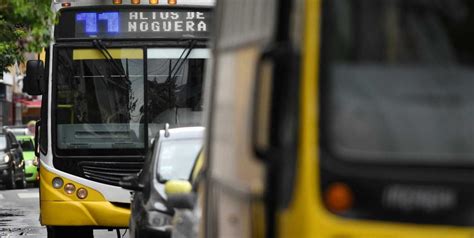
(57, 4)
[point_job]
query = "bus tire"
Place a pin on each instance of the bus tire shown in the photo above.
(69, 232)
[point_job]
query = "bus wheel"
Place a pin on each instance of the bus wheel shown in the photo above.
(69, 232)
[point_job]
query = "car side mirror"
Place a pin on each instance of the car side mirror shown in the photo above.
(131, 183)
(34, 77)
(180, 195)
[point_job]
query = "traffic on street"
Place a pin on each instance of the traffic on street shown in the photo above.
(237, 118)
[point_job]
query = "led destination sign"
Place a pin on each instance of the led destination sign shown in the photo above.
(135, 23)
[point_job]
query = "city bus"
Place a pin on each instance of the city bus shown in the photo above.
(115, 74)
(356, 121)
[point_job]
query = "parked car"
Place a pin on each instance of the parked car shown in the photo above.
(171, 157)
(27, 144)
(12, 164)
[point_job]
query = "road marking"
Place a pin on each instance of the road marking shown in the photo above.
(28, 195)
(1, 196)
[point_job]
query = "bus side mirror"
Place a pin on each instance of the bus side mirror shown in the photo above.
(273, 95)
(37, 136)
(262, 97)
(180, 195)
(34, 77)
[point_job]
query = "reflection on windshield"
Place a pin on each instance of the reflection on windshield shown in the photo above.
(177, 157)
(400, 78)
(175, 100)
(99, 100)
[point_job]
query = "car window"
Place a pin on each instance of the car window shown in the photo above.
(12, 139)
(3, 142)
(27, 145)
(176, 158)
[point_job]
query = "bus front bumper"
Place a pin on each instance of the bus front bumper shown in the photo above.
(75, 213)
(58, 208)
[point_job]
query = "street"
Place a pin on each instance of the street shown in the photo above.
(19, 213)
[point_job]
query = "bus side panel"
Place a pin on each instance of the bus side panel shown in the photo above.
(236, 175)
(307, 216)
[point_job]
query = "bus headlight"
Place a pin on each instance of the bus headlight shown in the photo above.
(6, 158)
(81, 193)
(58, 183)
(69, 188)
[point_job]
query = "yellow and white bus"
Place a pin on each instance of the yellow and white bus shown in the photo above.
(360, 124)
(116, 72)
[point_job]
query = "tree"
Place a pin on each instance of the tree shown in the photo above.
(24, 27)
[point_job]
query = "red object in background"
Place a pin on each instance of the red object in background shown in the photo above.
(30, 104)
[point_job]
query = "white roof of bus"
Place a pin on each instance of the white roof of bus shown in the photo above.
(75, 3)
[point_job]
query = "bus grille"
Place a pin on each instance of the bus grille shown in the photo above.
(109, 172)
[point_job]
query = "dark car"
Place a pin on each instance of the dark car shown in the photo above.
(172, 157)
(12, 165)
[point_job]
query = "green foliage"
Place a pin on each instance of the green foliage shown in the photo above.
(24, 27)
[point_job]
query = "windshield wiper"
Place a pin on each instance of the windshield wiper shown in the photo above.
(105, 52)
(176, 67)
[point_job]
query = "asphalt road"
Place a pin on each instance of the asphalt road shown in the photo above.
(19, 213)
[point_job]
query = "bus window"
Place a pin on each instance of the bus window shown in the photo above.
(399, 77)
(175, 87)
(99, 99)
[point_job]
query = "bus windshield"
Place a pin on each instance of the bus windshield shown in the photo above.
(397, 80)
(99, 100)
(175, 87)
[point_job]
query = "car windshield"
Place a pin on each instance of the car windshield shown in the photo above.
(99, 99)
(27, 144)
(3, 142)
(176, 158)
(175, 87)
(397, 80)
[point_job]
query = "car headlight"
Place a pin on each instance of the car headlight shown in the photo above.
(158, 219)
(6, 158)
(28, 162)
